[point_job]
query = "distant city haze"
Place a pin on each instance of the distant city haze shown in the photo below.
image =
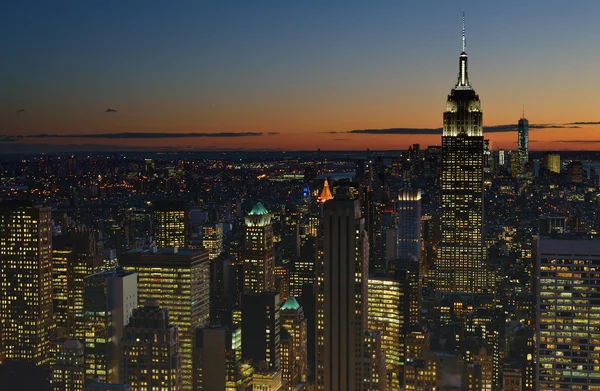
(292, 75)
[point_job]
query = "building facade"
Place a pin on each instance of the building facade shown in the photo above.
(568, 322)
(170, 223)
(68, 370)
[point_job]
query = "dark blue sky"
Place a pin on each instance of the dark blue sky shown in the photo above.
(290, 66)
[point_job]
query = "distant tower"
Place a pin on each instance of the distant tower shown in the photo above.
(26, 282)
(523, 143)
(259, 257)
(461, 261)
(325, 193)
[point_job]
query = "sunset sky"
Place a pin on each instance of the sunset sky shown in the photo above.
(292, 75)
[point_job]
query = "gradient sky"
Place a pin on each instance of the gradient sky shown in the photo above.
(307, 70)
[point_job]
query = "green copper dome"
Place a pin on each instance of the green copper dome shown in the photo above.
(259, 209)
(290, 304)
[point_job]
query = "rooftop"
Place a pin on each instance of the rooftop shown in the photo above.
(290, 304)
(259, 209)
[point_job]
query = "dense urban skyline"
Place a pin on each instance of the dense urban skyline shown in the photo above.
(292, 76)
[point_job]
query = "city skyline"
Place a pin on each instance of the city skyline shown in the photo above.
(291, 76)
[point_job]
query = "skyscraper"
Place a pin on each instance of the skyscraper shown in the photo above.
(26, 286)
(170, 223)
(150, 350)
(259, 258)
(523, 141)
(461, 263)
(568, 323)
(180, 280)
(342, 272)
(109, 299)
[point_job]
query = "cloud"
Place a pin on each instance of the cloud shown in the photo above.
(577, 141)
(486, 129)
(341, 139)
(272, 133)
(584, 123)
(143, 135)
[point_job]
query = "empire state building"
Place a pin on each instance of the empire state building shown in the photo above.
(461, 265)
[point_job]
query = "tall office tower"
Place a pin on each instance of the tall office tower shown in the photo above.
(261, 325)
(180, 280)
(218, 360)
(75, 256)
(575, 172)
(68, 370)
(26, 273)
(259, 257)
(568, 315)
(150, 350)
(170, 223)
(550, 163)
(388, 312)
(409, 224)
(109, 298)
(341, 288)
(293, 321)
(523, 141)
(461, 265)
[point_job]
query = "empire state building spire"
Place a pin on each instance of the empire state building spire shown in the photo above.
(463, 75)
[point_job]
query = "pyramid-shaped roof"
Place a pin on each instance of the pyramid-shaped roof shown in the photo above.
(325, 193)
(259, 209)
(290, 304)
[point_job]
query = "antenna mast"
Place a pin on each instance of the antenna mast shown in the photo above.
(464, 38)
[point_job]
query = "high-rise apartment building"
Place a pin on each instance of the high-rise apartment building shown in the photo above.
(109, 299)
(170, 223)
(259, 257)
(342, 272)
(180, 280)
(218, 361)
(150, 350)
(568, 315)
(68, 370)
(26, 282)
(461, 265)
(408, 209)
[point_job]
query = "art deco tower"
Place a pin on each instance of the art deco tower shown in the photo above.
(523, 142)
(461, 259)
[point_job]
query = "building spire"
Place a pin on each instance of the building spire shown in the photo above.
(464, 37)
(463, 77)
(523, 115)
